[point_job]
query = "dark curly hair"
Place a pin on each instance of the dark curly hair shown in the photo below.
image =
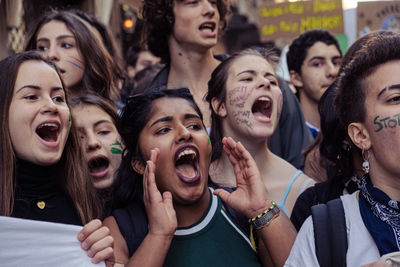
(299, 48)
(158, 18)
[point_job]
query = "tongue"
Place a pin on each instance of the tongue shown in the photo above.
(98, 169)
(48, 135)
(187, 170)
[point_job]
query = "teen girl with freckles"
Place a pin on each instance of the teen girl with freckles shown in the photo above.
(96, 121)
(78, 51)
(246, 101)
(368, 91)
(165, 166)
(42, 177)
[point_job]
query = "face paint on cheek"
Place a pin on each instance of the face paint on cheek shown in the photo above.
(69, 117)
(208, 141)
(116, 150)
(238, 96)
(387, 122)
(75, 62)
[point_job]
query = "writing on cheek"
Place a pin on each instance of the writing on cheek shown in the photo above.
(387, 122)
(238, 96)
(243, 117)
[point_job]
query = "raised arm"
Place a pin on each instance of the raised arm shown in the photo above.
(251, 199)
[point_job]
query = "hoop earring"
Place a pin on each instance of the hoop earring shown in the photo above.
(365, 164)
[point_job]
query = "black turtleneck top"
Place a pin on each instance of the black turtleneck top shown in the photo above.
(39, 196)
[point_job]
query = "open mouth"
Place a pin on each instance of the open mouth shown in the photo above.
(98, 166)
(210, 26)
(48, 131)
(262, 108)
(187, 164)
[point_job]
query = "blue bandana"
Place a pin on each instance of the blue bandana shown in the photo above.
(381, 216)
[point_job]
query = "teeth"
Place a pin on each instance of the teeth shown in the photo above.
(187, 152)
(48, 125)
(207, 25)
(263, 98)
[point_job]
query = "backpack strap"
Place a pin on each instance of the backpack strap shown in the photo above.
(330, 233)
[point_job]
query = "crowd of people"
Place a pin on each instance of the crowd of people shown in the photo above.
(188, 158)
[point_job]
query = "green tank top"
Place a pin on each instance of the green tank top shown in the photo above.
(213, 241)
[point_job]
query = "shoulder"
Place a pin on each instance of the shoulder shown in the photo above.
(303, 250)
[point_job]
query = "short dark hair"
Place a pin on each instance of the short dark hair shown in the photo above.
(299, 48)
(351, 91)
(217, 89)
(137, 112)
(158, 21)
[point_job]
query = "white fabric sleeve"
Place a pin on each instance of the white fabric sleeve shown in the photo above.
(36, 243)
(303, 250)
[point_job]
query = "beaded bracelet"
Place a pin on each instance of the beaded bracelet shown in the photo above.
(265, 217)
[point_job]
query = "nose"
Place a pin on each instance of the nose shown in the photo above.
(332, 71)
(52, 53)
(208, 8)
(92, 142)
(263, 83)
(48, 106)
(183, 134)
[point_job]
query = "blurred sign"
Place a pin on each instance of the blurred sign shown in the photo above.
(378, 15)
(289, 20)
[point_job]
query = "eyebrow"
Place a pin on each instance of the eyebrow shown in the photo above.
(323, 58)
(35, 87)
(97, 123)
(170, 118)
(254, 72)
(390, 87)
(58, 38)
(163, 119)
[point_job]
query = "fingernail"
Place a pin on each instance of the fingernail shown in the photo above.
(90, 253)
(80, 237)
(85, 245)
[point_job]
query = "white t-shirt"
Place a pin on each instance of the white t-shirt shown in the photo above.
(361, 246)
(36, 243)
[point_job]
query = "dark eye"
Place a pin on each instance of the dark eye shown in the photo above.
(163, 131)
(395, 99)
(30, 97)
(104, 132)
(59, 99)
(317, 64)
(66, 45)
(247, 79)
(194, 126)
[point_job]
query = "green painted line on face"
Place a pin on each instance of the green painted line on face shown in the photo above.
(116, 150)
(117, 143)
(208, 141)
(69, 117)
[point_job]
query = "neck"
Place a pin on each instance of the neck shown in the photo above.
(222, 171)
(386, 181)
(310, 110)
(191, 68)
(188, 215)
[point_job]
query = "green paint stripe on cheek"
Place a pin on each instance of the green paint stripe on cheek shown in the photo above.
(208, 141)
(116, 150)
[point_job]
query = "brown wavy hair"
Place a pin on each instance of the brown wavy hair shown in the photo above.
(99, 77)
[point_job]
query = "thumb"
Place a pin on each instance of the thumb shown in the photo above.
(222, 194)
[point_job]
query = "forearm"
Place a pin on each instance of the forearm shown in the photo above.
(278, 238)
(151, 252)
